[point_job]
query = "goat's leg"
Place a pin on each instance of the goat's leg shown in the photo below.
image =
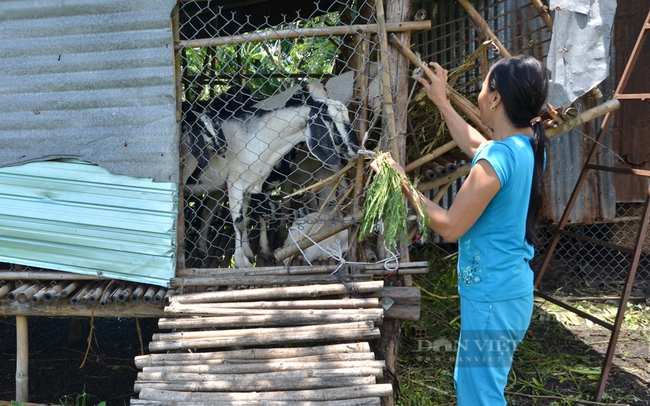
(208, 212)
(238, 208)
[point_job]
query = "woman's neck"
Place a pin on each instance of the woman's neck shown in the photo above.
(503, 129)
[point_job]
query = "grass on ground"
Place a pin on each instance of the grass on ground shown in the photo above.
(553, 365)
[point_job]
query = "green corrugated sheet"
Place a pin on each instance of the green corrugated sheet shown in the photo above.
(72, 216)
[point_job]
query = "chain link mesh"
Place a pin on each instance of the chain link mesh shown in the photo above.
(255, 138)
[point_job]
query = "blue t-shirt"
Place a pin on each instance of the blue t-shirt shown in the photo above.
(494, 254)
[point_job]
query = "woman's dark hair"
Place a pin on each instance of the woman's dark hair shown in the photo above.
(522, 83)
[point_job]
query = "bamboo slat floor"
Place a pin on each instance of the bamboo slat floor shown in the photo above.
(295, 345)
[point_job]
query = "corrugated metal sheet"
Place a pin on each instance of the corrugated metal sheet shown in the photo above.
(565, 158)
(73, 216)
(631, 122)
(89, 79)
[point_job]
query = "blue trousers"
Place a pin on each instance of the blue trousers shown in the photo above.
(489, 334)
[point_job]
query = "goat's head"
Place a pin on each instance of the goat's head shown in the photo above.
(211, 136)
(330, 134)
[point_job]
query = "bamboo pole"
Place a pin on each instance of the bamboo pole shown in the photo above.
(97, 292)
(106, 296)
(584, 117)
(251, 354)
(24, 296)
(138, 292)
(52, 293)
(6, 288)
(265, 270)
(330, 395)
(336, 357)
(254, 384)
(262, 280)
(80, 293)
(162, 296)
(464, 105)
(483, 27)
(11, 296)
(340, 30)
(369, 333)
(65, 292)
(280, 319)
(22, 359)
(149, 294)
(38, 296)
(543, 12)
(298, 374)
(462, 170)
(346, 303)
(44, 276)
(206, 334)
(279, 293)
(374, 401)
(386, 93)
(264, 366)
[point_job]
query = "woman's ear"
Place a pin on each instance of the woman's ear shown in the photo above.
(495, 100)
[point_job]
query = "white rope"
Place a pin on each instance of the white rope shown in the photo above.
(336, 253)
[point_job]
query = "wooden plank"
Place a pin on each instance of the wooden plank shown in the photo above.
(306, 395)
(267, 339)
(279, 293)
(254, 384)
(264, 366)
(285, 318)
(252, 354)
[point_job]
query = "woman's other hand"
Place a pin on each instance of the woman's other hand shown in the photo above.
(434, 82)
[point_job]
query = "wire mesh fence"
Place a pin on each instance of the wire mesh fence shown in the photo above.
(269, 142)
(596, 255)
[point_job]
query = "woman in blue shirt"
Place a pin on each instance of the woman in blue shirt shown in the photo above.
(494, 218)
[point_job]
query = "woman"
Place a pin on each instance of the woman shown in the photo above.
(494, 218)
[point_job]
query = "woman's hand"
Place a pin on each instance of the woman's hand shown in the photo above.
(388, 158)
(434, 82)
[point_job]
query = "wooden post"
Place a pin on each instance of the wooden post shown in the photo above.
(397, 11)
(22, 359)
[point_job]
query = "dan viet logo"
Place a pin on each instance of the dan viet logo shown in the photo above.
(473, 349)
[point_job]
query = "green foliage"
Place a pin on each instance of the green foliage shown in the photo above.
(82, 399)
(385, 204)
(258, 61)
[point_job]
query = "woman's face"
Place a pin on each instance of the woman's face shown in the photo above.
(484, 100)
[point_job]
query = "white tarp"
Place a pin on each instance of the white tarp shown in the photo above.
(578, 57)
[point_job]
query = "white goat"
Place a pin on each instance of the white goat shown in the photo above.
(258, 139)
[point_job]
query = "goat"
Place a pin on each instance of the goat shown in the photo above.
(257, 140)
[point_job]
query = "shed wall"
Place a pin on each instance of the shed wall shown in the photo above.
(92, 80)
(76, 217)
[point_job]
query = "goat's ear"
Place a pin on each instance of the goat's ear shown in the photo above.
(198, 146)
(319, 140)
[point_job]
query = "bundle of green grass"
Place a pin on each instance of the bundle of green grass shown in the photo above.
(386, 207)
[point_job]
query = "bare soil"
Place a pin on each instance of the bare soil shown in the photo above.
(57, 349)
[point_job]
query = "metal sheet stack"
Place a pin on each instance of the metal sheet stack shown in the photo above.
(303, 343)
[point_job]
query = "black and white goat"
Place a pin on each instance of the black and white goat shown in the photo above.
(256, 140)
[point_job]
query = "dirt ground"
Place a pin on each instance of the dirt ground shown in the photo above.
(57, 349)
